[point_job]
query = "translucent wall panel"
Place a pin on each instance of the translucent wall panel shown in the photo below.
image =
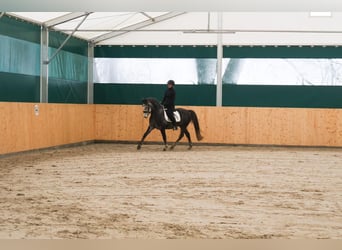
(19, 56)
(155, 70)
(294, 71)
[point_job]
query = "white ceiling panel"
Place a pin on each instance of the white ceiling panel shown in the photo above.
(39, 17)
(192, 27)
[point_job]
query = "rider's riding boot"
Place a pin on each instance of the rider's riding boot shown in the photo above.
(174, 127)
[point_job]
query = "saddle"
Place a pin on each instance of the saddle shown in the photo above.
(175, 114)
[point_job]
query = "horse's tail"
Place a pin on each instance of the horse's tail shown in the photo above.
(196, 124)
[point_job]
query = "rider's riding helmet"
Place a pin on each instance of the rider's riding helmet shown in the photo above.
(172, 82)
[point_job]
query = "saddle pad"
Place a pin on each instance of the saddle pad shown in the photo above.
(175, 114)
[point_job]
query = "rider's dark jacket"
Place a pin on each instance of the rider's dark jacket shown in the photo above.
(169, 99)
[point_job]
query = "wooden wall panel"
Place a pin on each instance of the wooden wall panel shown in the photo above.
(231, 125)
(126, 123)
(57, 124)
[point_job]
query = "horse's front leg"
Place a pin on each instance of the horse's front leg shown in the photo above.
(164, 138)
(149, 129)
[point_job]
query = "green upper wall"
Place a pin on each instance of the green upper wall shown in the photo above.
(74, 45)
(19, 60)
(196, 95)
(68, 74)
(16, 28)
(23, 30)
(128, 51)
(282, 96)
(282, 52)
(233, 95)
(20, 64)
(155, 51)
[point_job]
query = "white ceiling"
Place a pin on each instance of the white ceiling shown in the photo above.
(172, 5)
(196, 28)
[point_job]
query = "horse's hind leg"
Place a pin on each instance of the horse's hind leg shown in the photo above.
(189, 138)
(179, 138)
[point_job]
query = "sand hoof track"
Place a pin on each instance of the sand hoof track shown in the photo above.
(114, 191)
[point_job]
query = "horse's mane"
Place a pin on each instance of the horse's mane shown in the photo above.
(154, 101)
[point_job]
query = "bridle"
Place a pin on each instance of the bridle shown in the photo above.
(147, 110)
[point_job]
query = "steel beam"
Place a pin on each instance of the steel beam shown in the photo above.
(44, 67)
(136, 26)
(219, 61)
(90, 99)
(65, 18)
(66, 40)
(148, 16)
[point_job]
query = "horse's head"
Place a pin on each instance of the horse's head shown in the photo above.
(150, 104)
(147, 107)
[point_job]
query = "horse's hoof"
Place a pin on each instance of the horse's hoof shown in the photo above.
(138, 147)
(171, 148)
(190, 147)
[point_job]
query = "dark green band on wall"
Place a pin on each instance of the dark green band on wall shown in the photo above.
(282, 96)
(66, 91)
(233, 95)
(25, 88)
(210, 52)
(194, 95)
(282, 52)
(155, 51)
(19, 88)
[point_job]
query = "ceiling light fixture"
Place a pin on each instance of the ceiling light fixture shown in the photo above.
(320, 14)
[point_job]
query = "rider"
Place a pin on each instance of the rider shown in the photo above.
(169, 102)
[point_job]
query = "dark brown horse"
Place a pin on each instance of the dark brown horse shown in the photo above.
(157, 120)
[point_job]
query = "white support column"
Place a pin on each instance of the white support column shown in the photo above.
(44, 66)
(219, 61)
(90, 99)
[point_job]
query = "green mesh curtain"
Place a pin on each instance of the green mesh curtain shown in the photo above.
(20, 64)
(68, 71)
(18, 56)
(19, 70)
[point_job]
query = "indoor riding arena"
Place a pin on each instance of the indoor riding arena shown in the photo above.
(268, 102)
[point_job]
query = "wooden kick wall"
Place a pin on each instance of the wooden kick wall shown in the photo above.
(60, 124)
(56, 124)
(231, 125)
